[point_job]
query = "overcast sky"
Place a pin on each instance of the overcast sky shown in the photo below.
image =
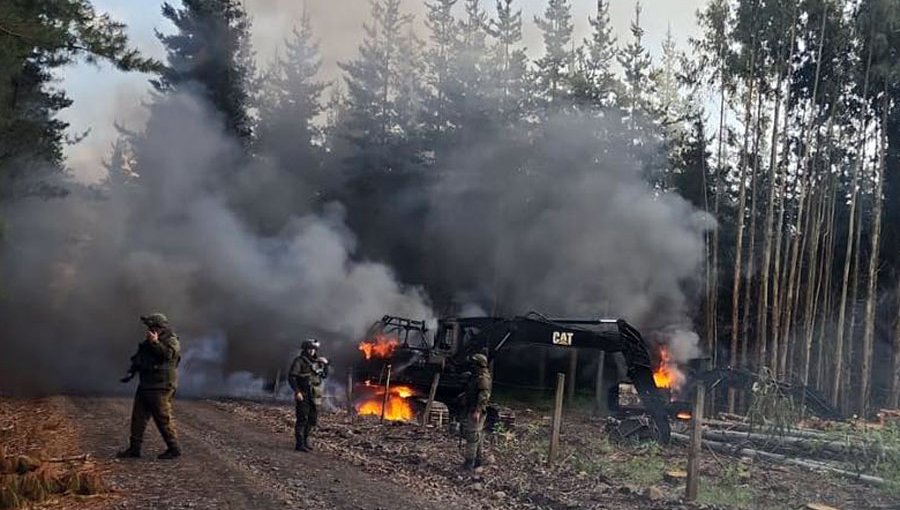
(103, 96)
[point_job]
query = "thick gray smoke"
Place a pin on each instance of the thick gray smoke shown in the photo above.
(564, 224)
(570, 229)
(81, 270)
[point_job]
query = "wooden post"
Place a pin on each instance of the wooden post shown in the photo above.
(571, 376)
(557, 418)
(431, 393)
(693, 465)
(351, 411)
(387, 391)
(275, 386)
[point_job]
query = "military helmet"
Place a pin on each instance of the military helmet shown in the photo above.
(479, 359)
(310, 343)
(155, 320)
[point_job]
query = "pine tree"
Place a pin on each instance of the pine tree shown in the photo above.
(119, 173)
(381, 133)
(665, 79)
(508, 63)
(376, 119)
(292, 102)
(601, 57)
(210, 55)
(472, 68)
(441, 64)
(642, 121)
(635, 60)
(37, 38)
(554, 69)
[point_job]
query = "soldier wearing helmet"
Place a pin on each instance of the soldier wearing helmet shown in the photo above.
(155, 363)
(478, 393)
(307, 378)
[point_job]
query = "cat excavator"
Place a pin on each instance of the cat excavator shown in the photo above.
(415, 354)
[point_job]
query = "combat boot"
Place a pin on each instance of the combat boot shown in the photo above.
(129, 453)
(469, 465)
(173, 452)
(306, 444)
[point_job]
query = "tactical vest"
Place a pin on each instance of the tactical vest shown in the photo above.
(158, 372)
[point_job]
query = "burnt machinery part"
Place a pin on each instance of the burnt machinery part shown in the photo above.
(737, 378)
(416, 358)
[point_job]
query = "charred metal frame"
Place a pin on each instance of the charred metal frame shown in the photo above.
(458, 338)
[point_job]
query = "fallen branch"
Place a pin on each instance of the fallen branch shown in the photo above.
(783, 459)
(72, 458)
(807, 444)
(746, 427)
(733, 417)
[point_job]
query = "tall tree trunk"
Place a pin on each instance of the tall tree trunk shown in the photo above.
(895, 356)
(778, 277)
(793, 293)
(762, 338)
(818, 265)
(828, 271)
(739, 243)
(777, 281)
(797, 243)
(848, 387)
(712, 326)
(816, 261)
(751, 248)
(871, 298)
(848, 250)
(812, 270)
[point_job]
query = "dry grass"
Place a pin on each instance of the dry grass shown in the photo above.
(32, 435)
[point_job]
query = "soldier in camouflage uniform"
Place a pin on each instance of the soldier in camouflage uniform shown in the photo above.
(155, 364)
(478, 393)
(307, 378)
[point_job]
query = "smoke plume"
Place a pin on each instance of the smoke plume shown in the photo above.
(81, 270)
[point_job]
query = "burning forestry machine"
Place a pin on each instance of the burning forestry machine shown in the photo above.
(404, 345)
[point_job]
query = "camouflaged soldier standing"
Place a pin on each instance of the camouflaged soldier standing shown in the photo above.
(478, 394)
(155, 364)
(307, 377)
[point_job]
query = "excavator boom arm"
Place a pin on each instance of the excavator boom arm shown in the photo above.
(571, 333)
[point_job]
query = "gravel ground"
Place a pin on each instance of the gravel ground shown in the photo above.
(238, 454)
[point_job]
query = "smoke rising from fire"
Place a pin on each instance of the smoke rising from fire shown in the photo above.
(551, 217)
(574, 229)
(83, 269)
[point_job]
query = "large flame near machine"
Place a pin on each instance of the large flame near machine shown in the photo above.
(380, 346)
(397, 407)
(666, 374)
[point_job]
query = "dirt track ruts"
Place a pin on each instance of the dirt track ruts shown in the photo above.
(228, 463)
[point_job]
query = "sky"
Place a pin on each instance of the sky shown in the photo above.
(104, 97)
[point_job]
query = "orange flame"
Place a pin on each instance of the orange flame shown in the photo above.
(666, 374)
(683, 415)
(397, 409)
(380, 347)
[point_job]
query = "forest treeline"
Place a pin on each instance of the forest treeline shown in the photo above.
(781, 120)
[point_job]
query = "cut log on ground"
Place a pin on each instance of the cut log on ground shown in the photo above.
(746, 427)
(814, 465)
(805, 444)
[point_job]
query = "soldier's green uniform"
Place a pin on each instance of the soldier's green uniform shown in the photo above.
(155, 363)
(478, 394)
(307, 377)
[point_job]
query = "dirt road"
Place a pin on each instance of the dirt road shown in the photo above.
(231, 463)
